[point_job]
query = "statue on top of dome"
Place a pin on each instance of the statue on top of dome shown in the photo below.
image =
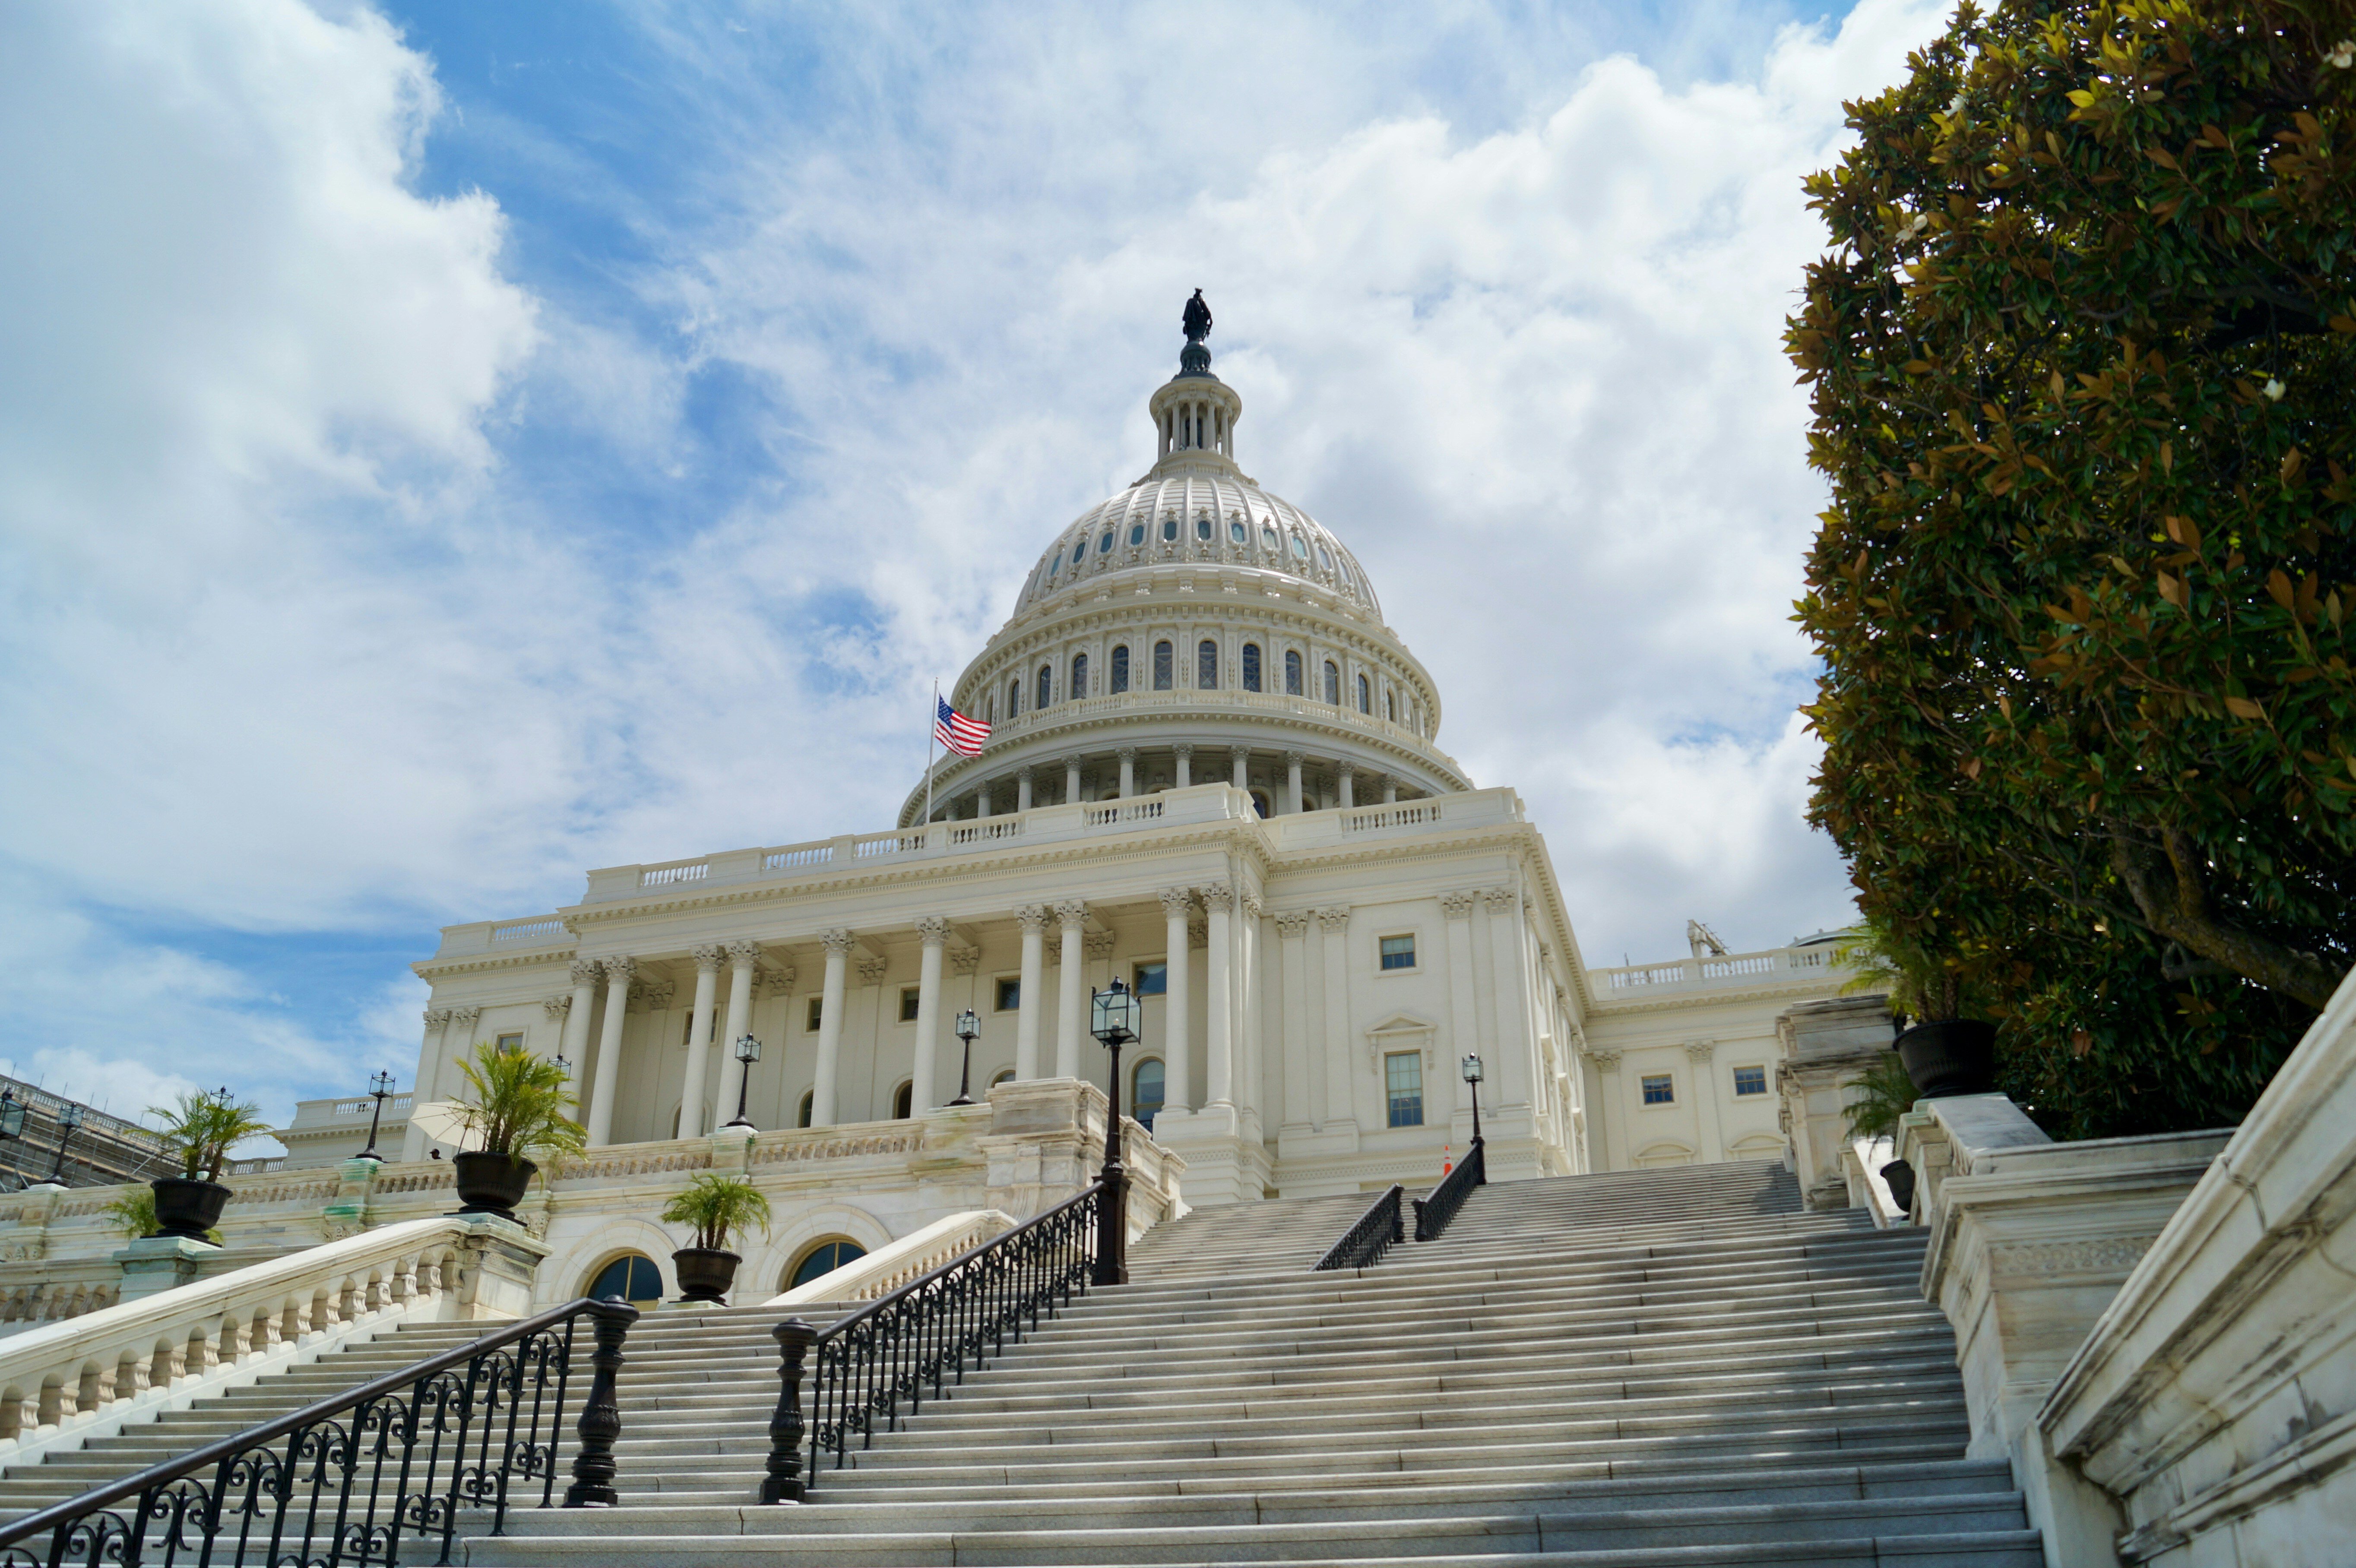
(1198, 319)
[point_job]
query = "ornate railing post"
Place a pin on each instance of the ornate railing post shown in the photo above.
(1112, 1217)
(601, 1416)
(786, 1428)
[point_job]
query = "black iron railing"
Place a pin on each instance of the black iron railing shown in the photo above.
(1436, 1208)
(369, 1479)
(878, 1366)
(1363, 1243)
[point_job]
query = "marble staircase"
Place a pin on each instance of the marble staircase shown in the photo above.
(1627, 1371)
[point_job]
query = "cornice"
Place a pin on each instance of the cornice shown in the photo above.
(470, 964)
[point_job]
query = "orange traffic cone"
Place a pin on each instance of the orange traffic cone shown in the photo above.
(1446, 1163)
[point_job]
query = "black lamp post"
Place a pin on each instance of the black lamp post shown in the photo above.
(1473, 1077)
(967, 1029)
(67, 1120)
(379, 1086)
(1114, 1025)
(748, 1051)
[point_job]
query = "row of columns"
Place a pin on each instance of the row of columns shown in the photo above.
(1238, 760)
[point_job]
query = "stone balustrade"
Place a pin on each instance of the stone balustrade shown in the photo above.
(906, 1260)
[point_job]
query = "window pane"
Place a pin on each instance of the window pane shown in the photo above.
(1366, 702)
(1658, 1089)
(909, 996)
(1266, 537)
(1291, 672)
(1046, 687)
(1332, 683)
(1010, 994)
(902, 1098)
(824, 1259)
(1152, 979)
(1014, 697)
(1162, 661)
(1137, 533)
(1120, 669)
(1398, 952)
(1146, 1092)
(1105, 544)
(1403, 1083)
(1203, 528)
(1251, 667)
(1750, 1081)
(1079, 686)
(817, 1006)
(1324, 560)
(802, 1118)
(1170, 527)
(1300, 550)
(1237, 535)
(1206, 665)
(511, 1042)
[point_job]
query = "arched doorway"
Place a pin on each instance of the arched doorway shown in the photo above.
(823, 1258)
(632, 1278)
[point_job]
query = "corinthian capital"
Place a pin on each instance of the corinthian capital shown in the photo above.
(1177, 903)
(1334, 917)
(557, 1007)
(1457, 906)
(1292, 924)
(1073, 912)
(745, 954)
(707, 958)
(1218, 896)
(838, 940)
(1033, 918)
(585, 971)
(619, 970)
(933, 930)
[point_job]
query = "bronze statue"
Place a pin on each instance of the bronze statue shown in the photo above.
(1198, 319)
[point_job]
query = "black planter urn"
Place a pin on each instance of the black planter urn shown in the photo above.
(1901, 1177)
(1955, 1056)
(705, 1273)
(491, 1183)
(187, 1207)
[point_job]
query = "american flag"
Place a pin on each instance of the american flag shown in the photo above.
(959, 733)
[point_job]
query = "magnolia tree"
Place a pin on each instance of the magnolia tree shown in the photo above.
(2084, 370)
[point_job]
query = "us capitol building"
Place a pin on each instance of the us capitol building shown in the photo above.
(1212, 772)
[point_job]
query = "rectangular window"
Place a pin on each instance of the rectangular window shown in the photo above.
(511, 1041)
(1152, 979)
(1162, 657)
(1403, 1083)
(1659, 1089)
(1120, 669)
(817, 1008)
(1750, 1081)
(1251, 667)
(1010, 993)
(909, 996)
(1398, 952)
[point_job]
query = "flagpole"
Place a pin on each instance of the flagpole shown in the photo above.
(932, 738)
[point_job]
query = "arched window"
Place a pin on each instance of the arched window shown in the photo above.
(1266, 537)
(1145, 1093)
(1300, 548)
(1206, 665)
(1014, 698)
(1104, 545)
(1237, 532)
(1332, 683)
(1120, 668)
(1202, 525)
(1292, 672)
(1324, 560)
(823, 1259)
(990, 709)
(802, 1116)
(630, 1278)
(1259, 801)
(1251, 667)
(1046, 686)
(1391, 706)
(903, 1098)
(1365, 696)
(1136, 535)
(1005, 1075)
(1079, 686)
(1170, 527)
(1163, 659)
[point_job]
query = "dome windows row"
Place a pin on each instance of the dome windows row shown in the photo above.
(1253, 671)
(1248, 540)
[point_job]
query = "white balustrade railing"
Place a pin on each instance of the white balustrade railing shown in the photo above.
(529, 930)
(67, 1382)
(913, 1256)
(1414, 814)
(664, 876)
(1790, 963)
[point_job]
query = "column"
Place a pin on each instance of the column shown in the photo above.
(1033, 918)
(1349, 778)
(1250, 1088)
(457, 1046)
(1071, 1008)
(1334, 937)
(1291, 926)
(1071, 779)
(1128, 771)
(429, 1065)
(1022, 788)
(933, 930)
(829, 1027)
(1463, 1000)
(981, 800)
(1513, 1076)
(1292, 783)
(708, 959)
(609, 1050)
(743, 967)
(1699, 1052)
(1609, 1108)
(1239, 765)
(575, 1046)
(1219, 997)
(1177, 1041)
(1185, 764)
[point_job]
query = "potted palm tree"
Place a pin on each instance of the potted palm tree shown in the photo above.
(200, 1127)
(717, 1207)
(1878, 1097)
(1944, 1052)
(513, 1102)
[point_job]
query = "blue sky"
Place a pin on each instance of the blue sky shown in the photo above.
(451, 446)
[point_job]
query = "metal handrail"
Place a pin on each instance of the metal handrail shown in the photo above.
(1363, 1243)
(344, 1465)
(924, 1336)
(1437, 1208)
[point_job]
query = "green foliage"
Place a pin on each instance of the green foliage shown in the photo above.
(518, 1103)
(135, 1214)
(1878, 1096)
(718, 1206)
(2084, 385)
(1920, 984)
(202, 1125)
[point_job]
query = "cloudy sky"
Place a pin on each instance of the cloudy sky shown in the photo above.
(445, 446)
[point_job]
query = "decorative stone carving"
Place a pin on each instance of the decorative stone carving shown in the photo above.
(1030, 917)
(1127, 753)
(1099, 944)
(1700, 1050)
(933, 930)
(656, 993)
(745, 954)
(556, 1007)
(585, 971)
(1291, 924)
(1501, 901)
(2108, 1255)
(838, 940)
(619, 969)
(1334, 918)
(1253, 906)
(964, 960)
(707, 958)
(1182, 750)
(1457, 906)
(435, 1018)
(871, 971)
(1176, 902)
(465, 1018)
(779, 981)
(1608, 1060)
(1198, 933)
(1218, 895)
(1072, 912)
